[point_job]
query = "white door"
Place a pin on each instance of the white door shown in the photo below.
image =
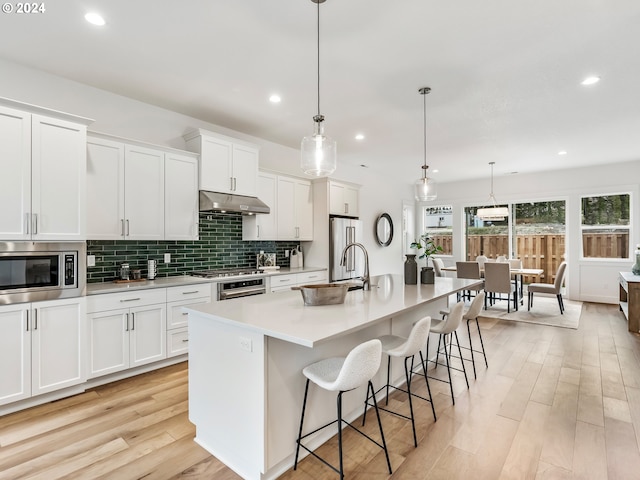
(15, 353)
(15, 180)
(180, 197)
(108, 342)
(105, 189)
(58, 179)
(337, 205)
(148, 330)
(304, 210)
(351, 195)
(286, 209)
(267, 228)
(245, 170)
(215, 165)
(144, 193)
(57, 343)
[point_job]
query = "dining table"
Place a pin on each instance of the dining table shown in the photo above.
(517, 274)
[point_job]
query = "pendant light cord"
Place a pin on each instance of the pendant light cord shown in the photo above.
(424, 170)
(318, 29)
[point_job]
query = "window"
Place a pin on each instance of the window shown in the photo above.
(438, 224)
(606, 226)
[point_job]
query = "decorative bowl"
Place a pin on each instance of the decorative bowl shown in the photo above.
(323, 293)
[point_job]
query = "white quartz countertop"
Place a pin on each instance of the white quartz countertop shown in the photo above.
(285, 316)
(176, 281)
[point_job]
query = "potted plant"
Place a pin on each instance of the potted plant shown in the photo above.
(428, 248)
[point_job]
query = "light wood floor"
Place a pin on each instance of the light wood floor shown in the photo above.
(554, 404)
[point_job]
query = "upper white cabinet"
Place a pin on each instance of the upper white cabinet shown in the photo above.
(227, 165)
(291, 202)
(343, 199)
(263, 226)
(139, 192)
(180, 197)
(294, 209)
(42, 186)
(42, 348)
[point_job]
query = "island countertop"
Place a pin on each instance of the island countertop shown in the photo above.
(284, 316)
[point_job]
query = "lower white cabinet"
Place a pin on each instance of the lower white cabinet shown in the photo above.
(177, 321)
(41, 348)
(126, 330)
(282, 283)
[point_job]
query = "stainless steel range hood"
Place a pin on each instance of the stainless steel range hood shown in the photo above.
(225, 202)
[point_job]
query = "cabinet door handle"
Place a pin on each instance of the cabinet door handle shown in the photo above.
(126, 328)
(231, 183)
(27, 222)
(133, 321)
(35, 318)
(27, 322)
(122, 226)
(258, 233)
(127, 227)
(130, 299)
(185, 340)
(235, 184)
(191, 292)
(185, 313)
(346, 208)
(35, 223)
(297, 232)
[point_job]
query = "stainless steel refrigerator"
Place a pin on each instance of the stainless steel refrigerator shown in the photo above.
(343, 231)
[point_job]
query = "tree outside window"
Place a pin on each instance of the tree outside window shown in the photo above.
(606, 226)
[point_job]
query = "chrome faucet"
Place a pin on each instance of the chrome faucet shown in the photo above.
(366, 283)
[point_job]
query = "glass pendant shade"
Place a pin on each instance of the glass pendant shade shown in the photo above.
(493, 212)
(425, 189)
(318, 153)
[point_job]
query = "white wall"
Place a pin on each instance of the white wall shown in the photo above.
(125, 117)
(587, 279)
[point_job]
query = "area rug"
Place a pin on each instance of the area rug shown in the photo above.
(545, 311)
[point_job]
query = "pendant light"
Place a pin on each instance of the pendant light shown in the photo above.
(318, 152)
(425, 187)
(494, 212)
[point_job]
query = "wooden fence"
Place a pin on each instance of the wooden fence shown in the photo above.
(541, 251)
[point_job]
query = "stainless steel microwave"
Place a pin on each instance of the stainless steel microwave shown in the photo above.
(36, 271)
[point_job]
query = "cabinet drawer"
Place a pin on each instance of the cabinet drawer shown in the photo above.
(113, 301)
(186, 292)
(311, 278)
(283, 280)
(177, 317)
(177, 342)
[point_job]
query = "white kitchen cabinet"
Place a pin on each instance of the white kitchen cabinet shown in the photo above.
(263, 226)
(143, 193)
(177, 318)
(126, 330)
(343, 199)
(140, 192)
(180, 197)
(41, 348)
(294, 208)
(43, 161)
(283, 283)
(227, 165)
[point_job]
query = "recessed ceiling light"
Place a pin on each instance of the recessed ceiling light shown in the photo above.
(591, 80)
(95, 19)
(435, 171)
(562, 152)
(359, 136)
(275, 98)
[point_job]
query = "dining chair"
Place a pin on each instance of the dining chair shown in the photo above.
(438, 265)
(497, 279)
(469, 270)
(481, 259)
(501, 258)
(516, 263)
(554, 289)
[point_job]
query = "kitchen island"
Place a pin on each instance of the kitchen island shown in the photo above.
(246, 358)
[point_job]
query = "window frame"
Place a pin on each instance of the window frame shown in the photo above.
(629, 227)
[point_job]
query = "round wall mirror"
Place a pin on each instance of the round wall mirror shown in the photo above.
(384, 230)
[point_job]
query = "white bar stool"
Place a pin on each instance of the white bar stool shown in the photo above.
(446, 327)
(407, 348)
(339, 374)
(472, 313)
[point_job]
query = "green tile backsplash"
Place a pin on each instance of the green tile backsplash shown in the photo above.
(220, 246)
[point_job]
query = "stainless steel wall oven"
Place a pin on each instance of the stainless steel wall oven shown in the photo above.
(36, 271)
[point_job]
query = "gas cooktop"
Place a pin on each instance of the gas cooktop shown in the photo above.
(226, 272)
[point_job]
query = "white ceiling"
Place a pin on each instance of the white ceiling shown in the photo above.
(505, 75)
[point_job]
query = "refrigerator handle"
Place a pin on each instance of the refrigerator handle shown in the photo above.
(351, 254)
